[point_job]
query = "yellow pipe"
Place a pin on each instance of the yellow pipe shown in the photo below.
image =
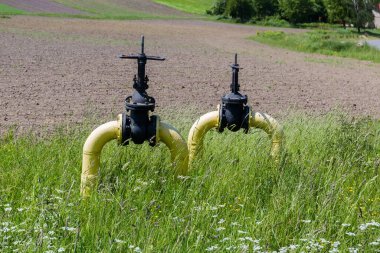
(177, 146)
(92, 150)
(112, 130)
(272, 128)
(198, 131)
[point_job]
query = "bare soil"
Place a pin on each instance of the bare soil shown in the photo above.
(63, 71)
(41, 6)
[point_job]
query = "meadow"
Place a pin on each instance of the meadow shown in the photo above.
(337, 42)
(322, 197)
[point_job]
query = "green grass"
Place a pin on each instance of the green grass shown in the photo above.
(100, 9)
(8, 10)
(233, 197)
(191, 6)
(341, 43)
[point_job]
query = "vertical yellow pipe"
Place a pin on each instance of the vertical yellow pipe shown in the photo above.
(198, 131)
(272, 128)
(92, 150)
(177, 146)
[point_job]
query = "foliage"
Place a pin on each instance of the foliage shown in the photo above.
(323, 195)
(300, 11)
(274, 21)
(362, 13)
(241, 10)
(338, 10)
(339, 43)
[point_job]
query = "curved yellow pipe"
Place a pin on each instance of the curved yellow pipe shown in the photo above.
(198, 131)
(272, 128)
(177, 146)
(92, 150)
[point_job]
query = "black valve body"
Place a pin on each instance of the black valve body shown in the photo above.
(137, 125)
(234, 111)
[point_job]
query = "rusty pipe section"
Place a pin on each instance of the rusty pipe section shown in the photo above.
(198, 130)
(257, 120)
(272, 128)
(92, 150)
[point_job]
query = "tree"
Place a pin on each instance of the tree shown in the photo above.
(357, 12)
(362, 13)
(298, 11)
(265, 8)
(240, 9)
(338, 11)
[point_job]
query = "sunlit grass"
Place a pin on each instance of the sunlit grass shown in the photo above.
(191, 6)
(8, 10)
(324, 195)
(340, 42)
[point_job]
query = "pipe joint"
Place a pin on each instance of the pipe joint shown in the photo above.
(233, 116)
(139, 127)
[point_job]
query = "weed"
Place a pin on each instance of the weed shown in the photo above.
(324, 195)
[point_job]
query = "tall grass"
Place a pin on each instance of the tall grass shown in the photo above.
(338, 42)
(323, 196)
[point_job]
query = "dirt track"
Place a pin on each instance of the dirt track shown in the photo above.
(40, 6)
(55, 71)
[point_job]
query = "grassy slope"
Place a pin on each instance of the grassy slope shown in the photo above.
(8, 10)
(191, 6)
(337, 42)
(328, 177)
(106, 9)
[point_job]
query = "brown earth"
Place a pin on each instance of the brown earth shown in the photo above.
(56, 71)
(41, 6)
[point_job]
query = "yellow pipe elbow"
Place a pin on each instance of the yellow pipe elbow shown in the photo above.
(177, 146)
(92, 150)
(272, 128)
(198, 131)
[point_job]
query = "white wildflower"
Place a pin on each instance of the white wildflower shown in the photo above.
(346, 224)
(221, 221)
(336, 244)
(249, 239)
(119, 241)
(350, 234)
(306, 221)
(71, 229)
(244, 247)
(220, 229)
(256, 248)
(293, 246)
(225, 239)
(61, 249)
(137, 249)
(212, 248)
(242, 232)
(369, 224)
(374, 243)
(235, 223)
(353, 250)
(213, 208)
(20, 209)
(8, 209)
(283, 250)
